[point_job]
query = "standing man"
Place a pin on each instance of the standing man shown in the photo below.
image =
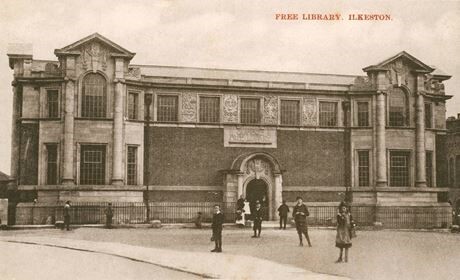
(108, 215)
(258, 217)
(283, 211)
(300, 214)
(217, 224)
(67, 215)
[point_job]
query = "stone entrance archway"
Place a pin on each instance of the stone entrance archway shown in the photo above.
(255, 166)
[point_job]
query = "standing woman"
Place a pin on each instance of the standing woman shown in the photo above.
(344, 226)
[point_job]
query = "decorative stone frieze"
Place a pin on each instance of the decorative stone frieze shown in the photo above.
(270, 110)
(189, 107)
(230, 111)
(309, 109)
(94, 57)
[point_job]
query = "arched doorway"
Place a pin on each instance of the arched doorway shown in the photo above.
(257, 190)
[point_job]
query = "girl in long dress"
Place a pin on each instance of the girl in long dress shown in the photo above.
(344, 226)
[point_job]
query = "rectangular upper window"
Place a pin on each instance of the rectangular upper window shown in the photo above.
(363, 113)
(398, 113)
(92, 164)
(399, 168)
(52, 101)
(167, 108)
(290, 112)
(132, 165)
(51, 164)
(363, 168)
(428, 116)
(328, 113)
(250, 110)
(133, 105)
(209, 109)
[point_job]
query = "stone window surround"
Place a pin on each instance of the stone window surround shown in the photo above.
(108, 156)
(355, 112)
(221, 105)
(339, 113)
(411, 167)
(140, 104)
(138, 172)
(356, 167)
(261, 107)
(44, 100)
(43, 163)
(154, 116)
(290, 98)
(407, 108)
(432, 114)
(109, 91)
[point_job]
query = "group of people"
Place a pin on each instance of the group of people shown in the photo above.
(345, 224)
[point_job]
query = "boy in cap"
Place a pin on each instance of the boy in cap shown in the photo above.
(258, 217)
(300, 214)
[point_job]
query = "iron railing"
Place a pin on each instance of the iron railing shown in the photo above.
(186, 212)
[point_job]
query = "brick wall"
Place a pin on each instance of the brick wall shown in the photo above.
(194, 156)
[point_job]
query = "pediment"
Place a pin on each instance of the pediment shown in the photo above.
(402, 62)
(92, 45)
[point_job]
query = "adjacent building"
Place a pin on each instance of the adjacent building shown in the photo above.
(91, 126)
(453, 159)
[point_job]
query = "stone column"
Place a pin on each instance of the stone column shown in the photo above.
(117, 156)
(68, 174)
(420, 172)
(14, 135)
(278, 196)
(380, 143)
(240, 185)
(117, 173)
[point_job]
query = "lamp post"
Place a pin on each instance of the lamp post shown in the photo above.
(148, 102)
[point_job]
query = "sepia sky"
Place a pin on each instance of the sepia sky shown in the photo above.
(236, 34)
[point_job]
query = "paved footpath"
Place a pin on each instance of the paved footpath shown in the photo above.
(206, 265)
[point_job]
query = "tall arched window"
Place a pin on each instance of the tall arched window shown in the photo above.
(94, 96)
(397, 113)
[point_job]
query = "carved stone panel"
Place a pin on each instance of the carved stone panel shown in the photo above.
(309, 112)
(250, 137)
(258, 167)
(399, 73)
(94, 57)
(189, 107)
(230, 112)
(270, 110)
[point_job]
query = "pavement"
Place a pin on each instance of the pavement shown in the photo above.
(203, 264)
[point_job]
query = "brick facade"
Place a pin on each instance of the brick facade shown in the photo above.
(338, 138)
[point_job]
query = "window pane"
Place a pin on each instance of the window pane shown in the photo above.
(132, 165)
(363, 168)
(250, 110)
(363, 113)
(328, 114)
(399, 169)
(429, 168)
(92, 166)
(52, 170)
(53, 103)
(428, 115)
(209, 109)
(290, 112)
(132, 105)
(397, 112)
(167, 108)
(457, 170)
(94, 97)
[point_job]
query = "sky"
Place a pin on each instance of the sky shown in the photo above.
(236, 35)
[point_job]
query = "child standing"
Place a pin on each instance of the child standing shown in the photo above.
(344, 226)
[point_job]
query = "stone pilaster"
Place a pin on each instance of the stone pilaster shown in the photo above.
(380, 141)
(278, 197)
(420, 153)
(68, 164)
(117, 173)
(14, 134)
